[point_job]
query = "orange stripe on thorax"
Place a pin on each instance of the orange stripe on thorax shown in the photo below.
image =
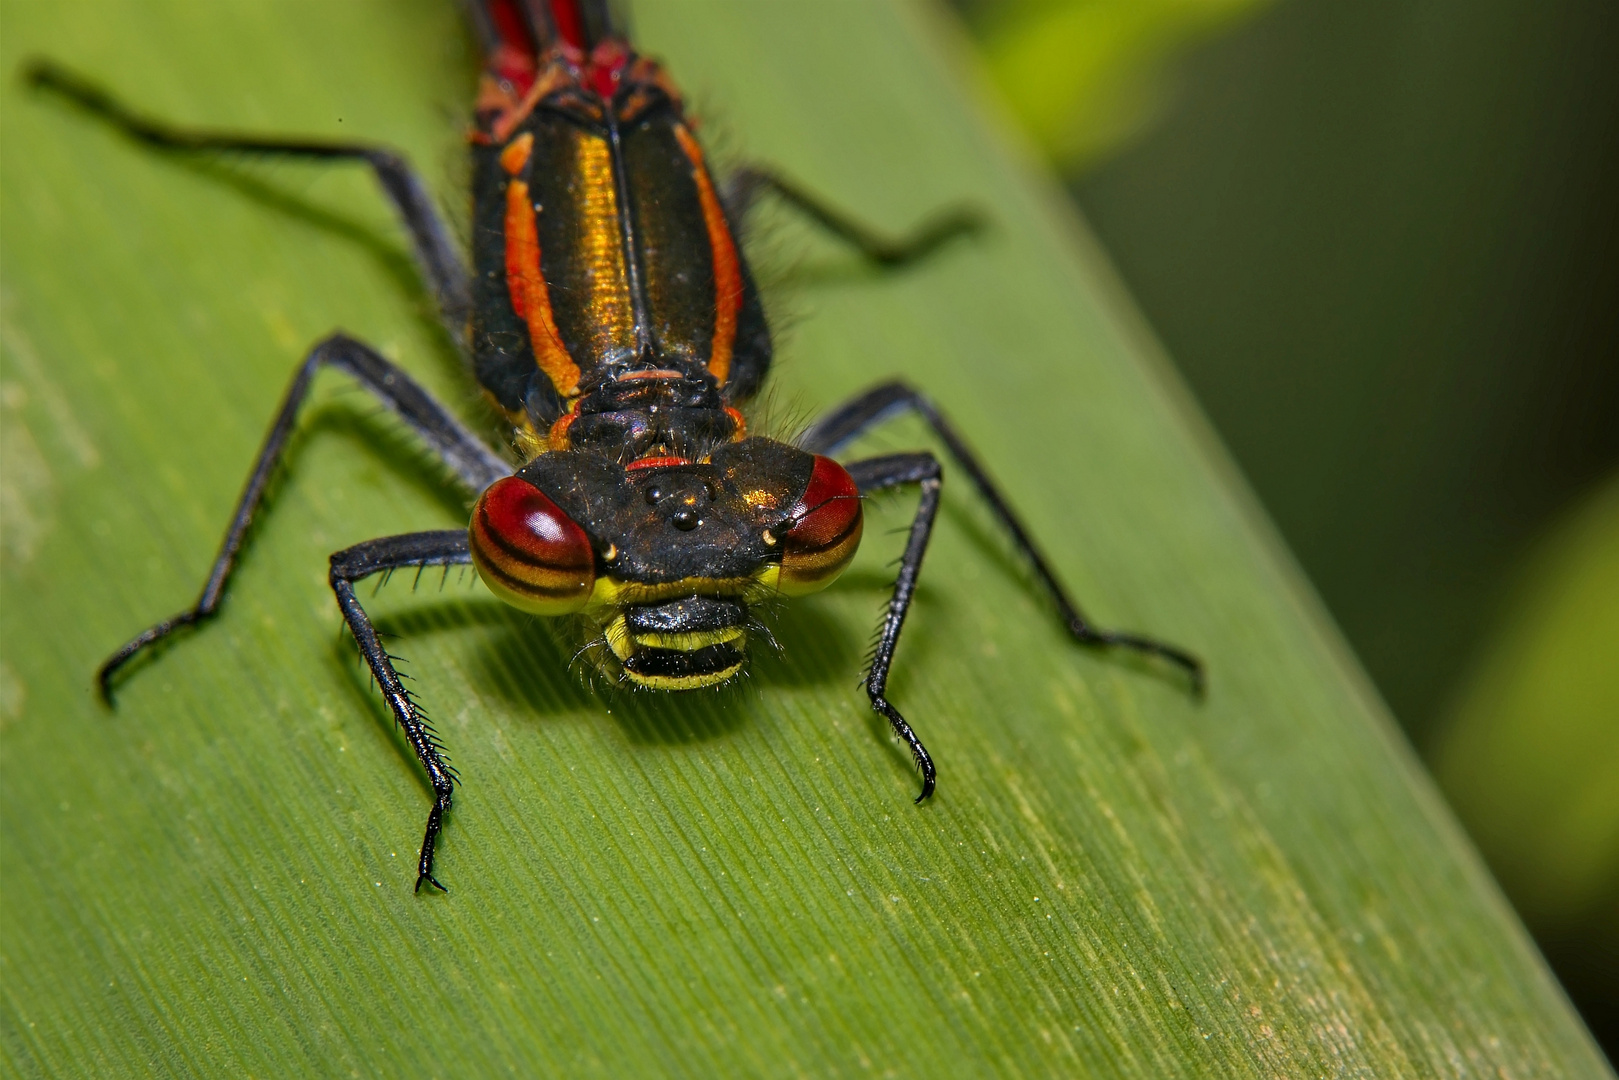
(727, 267)
(531, 298)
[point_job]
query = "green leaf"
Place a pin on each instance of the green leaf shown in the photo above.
(1114, 878)
(1531, 751)
(1085, 76)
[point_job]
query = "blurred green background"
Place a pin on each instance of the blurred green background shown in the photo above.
(1379, 240)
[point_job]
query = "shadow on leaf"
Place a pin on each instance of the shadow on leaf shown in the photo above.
(537, 666)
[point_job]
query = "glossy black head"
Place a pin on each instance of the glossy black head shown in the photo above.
(680, 549)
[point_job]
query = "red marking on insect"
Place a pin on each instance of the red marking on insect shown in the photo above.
(824, 533)
(606, 67)
(827, 508)
(528, 551)
(569, 22)
(514, 59)
(656, 462)
(525, 517)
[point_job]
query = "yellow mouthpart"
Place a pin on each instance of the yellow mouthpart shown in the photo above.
(623, 643)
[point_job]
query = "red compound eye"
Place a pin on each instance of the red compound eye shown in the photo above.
(529, 553)
(825, 530)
